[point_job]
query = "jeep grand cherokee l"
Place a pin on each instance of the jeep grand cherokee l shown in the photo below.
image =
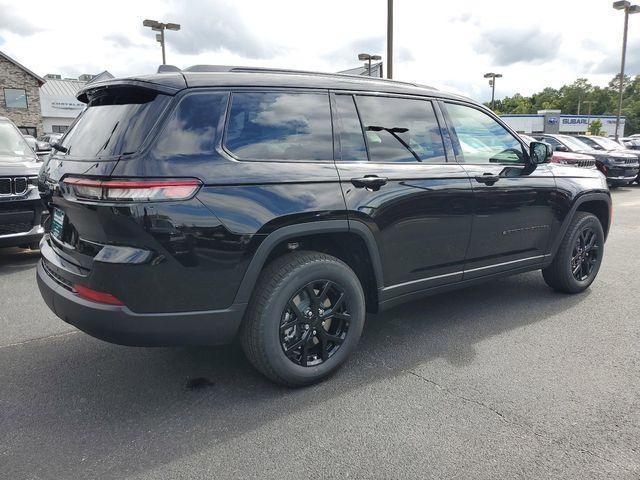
(608, 145)
(619, 168)
(191, 206)
(20, 205)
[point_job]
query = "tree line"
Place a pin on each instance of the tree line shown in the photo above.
(581, 98)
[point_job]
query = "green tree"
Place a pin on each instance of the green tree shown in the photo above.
(568, 97)
(595, 127)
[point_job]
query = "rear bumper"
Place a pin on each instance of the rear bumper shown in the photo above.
(120, 325)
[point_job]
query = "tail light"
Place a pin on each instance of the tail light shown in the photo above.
(131, 190)
(96, 296)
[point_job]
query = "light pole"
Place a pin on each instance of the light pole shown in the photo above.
(389, 38)
(628, 9)
(364, 57)
(161, 27)
(492, 83)
(589, 103)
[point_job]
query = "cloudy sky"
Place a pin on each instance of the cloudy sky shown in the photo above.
(446, 44)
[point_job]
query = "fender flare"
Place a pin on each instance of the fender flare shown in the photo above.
(259, 259)
(586, 197)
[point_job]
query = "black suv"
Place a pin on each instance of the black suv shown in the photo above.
(190, 206)
(20, 205)
(620, 168)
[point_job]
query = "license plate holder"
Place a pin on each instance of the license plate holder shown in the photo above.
(57, 223)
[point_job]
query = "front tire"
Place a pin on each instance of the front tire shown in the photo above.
(579, 256)
(304, 319)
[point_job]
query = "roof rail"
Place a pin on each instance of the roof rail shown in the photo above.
(230, 68)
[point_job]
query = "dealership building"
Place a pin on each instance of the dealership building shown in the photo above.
(553, 121)
(58, 100)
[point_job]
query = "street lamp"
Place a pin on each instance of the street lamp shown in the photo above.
(364, 57)
(492, 83)
(628, 9)
(389, 39)
(161, 27)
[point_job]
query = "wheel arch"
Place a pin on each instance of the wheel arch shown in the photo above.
(329, 237)
(597, 203)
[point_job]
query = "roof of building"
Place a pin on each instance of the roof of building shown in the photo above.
(376, 70)
(62, 88)
(19, 65)
(101, 77)
(172, 82)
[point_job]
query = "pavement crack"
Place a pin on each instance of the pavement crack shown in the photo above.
(39, 339)
(528, 428)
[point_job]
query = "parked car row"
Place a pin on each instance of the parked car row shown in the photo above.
(619, 165)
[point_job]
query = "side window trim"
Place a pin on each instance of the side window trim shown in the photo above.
(443, 116)
(336, 123)
(491, 115)
(223, 148)
(364, 134)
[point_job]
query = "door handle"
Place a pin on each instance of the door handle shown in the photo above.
(487, 178)
(372, 182)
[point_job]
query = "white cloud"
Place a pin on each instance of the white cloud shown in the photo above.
(546, 44)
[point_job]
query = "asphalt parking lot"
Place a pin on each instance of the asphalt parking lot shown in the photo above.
(505, 380)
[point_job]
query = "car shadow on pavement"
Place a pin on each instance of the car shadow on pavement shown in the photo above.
(75, 407)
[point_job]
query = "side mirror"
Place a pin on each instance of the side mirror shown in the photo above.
(561, 148)
(539, 152)
(43, 147)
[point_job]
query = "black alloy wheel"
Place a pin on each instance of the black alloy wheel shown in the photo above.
(314, 323)
(304, 319)
(579, 256)
(584, 256)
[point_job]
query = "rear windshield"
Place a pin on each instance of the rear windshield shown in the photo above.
(12, 144)
(115, 122)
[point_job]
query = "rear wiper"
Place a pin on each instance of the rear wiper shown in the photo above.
(59, 148)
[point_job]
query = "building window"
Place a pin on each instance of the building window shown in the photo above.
(29, 131)
(59, 128)
(15, 98)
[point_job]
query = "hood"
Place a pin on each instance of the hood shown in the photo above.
(11, 166)
(562, 170)
(572, 156)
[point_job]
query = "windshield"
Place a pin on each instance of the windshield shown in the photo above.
(608, 143)
(115, 122)
(13, 144)
(574, 143)
(527, 139)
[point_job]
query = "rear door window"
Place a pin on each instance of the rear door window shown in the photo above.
(401, 129)
(116, 122)
(279, 126)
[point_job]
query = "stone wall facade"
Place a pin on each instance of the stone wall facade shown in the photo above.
(12, 76)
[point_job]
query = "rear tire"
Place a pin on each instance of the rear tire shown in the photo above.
(576, 264)
(296, 330)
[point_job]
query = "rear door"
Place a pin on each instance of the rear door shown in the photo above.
(396, 179)
(514, 211)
